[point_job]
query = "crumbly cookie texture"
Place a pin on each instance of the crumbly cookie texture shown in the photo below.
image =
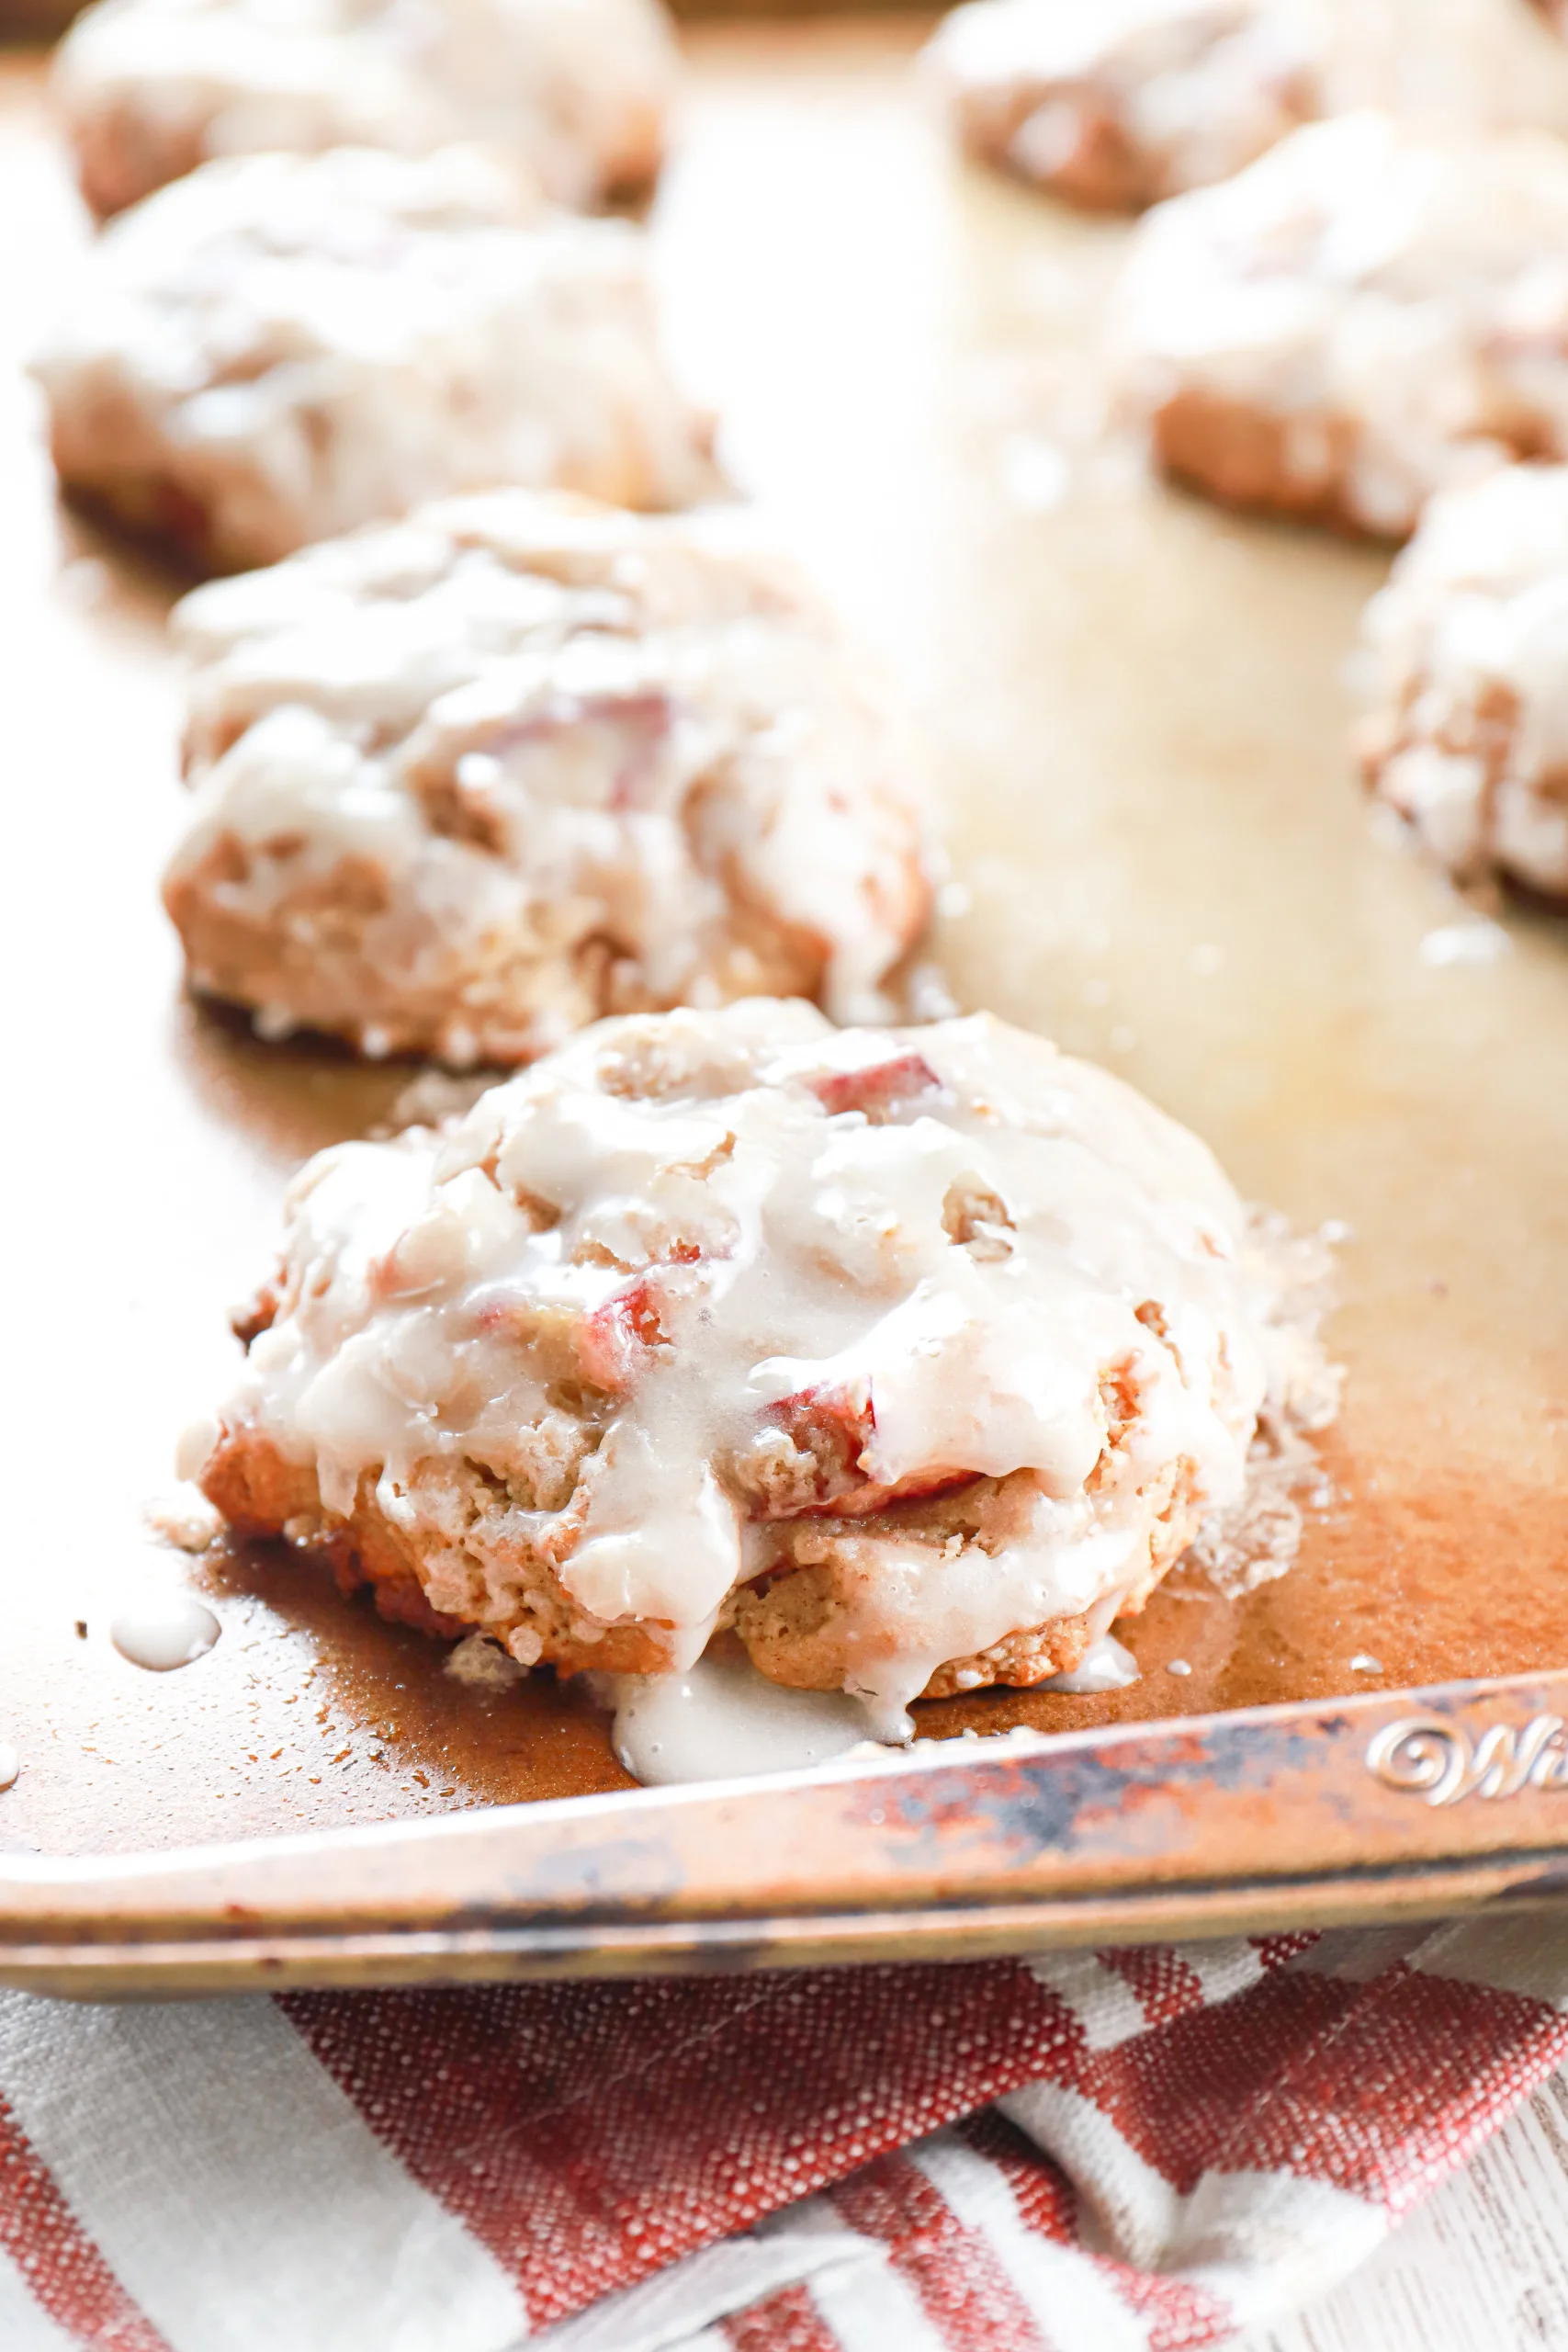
(1467, 655)
(1116, 104)
(468, 782)
(1367, 315)
(579, 89)
(281, 347)
(912, 1357)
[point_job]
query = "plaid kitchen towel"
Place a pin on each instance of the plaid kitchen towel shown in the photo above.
(1126, 2151)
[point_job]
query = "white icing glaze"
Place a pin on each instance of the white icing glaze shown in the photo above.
(1468, 652)
(578, 88)
(195, 1442)
(804, 1274)
(1124, 101)
(653, 734)
(164, 1630)
(291, 346)
(1467, 64)
(1194, 88)
(1475, 940)
(720, 1720)
(186, 1519)
(1108, 1665)
(1397, 297)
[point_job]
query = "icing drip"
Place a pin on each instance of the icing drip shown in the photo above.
(1105, 1665)
(721, 1720)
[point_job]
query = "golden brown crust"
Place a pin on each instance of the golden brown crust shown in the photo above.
(804, 1625)
(1104, 171)
(800, 1626)
(109, 466)
(121, 158)
(796, 1630)
(1024, 1658)
(630, 175)
(308, 953)
(1118, 136)
(456, 1549)
(1250, 457)
(124, 152)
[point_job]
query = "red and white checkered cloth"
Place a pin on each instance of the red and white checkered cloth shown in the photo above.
(1130, 2151)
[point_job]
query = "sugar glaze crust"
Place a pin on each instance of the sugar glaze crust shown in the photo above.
(581, 90)
(1367, 315)
(1467, 651)
(1117, 104)
(909, 1357)
(281, 347)
(468, 782)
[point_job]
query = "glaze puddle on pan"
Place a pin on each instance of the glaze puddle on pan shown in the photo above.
(1136, 716)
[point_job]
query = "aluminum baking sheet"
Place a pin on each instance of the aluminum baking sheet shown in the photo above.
(1136, 713)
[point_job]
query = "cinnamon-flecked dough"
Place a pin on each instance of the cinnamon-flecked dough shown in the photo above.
(1369, 314)
(1116, 104)
(281, 347)
(581, 90)
(908, 1357)
(1467, 654)
(468, 782)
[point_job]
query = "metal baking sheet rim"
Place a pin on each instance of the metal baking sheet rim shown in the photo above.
(1380, 1809)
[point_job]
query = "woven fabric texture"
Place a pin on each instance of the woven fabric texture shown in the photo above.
(1123, 2151)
